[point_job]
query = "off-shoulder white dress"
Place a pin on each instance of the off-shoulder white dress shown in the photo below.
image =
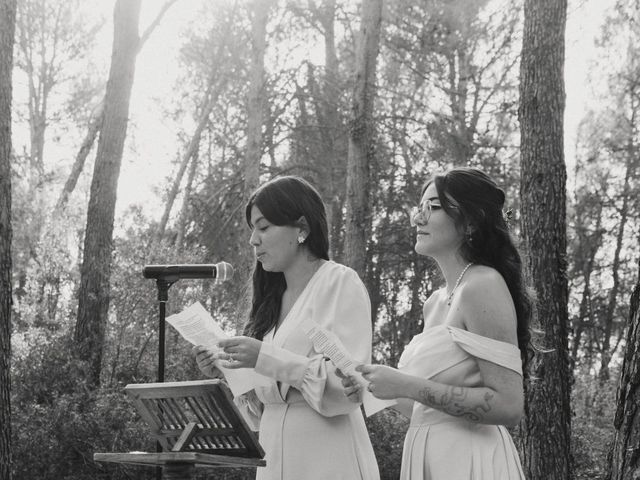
(307, 426)
(439, 446)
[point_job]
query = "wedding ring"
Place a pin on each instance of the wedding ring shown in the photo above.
(370, 387)
(231, 359)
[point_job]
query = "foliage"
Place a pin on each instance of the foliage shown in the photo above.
(593, 411)
(387, 430)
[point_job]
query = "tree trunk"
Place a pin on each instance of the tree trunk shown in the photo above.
(545, 431)
(93, 305)
(78, 165)
(256, 100)
(331, 128)
(184, 211)
(95, 123)
(7, 26)
(623, 212)
(625, 453)
(589, 242)
(215, 84)
(361, 136)
(189, 156)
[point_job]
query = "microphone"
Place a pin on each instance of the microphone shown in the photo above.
(220, 271)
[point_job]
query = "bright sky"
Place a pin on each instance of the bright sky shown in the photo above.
(154, 138)
(584, 21)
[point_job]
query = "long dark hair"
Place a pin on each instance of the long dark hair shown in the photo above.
(282, 201)
(479, 204)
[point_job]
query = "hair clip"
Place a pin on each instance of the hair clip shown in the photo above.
(508, 216)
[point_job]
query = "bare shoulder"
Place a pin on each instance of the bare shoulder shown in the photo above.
(486, 305)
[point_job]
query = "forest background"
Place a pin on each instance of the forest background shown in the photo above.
(220, 95)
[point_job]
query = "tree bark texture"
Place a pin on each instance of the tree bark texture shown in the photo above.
(361, 138)
(256, 100)
(625, 452)
(332, 129)
(7, 29)
(255, 122)
(93, 304)
(545, 431)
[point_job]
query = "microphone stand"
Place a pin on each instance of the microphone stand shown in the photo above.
(163, 285)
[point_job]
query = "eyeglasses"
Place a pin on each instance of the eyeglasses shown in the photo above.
(421, 215)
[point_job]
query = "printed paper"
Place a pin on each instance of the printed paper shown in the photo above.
(198, 327)
(329, 344)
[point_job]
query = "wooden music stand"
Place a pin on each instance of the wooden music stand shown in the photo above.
(197, 425)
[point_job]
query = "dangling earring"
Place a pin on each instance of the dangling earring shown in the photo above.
(469, 237)
(301, 239)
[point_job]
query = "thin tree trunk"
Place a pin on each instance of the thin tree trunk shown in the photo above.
(255, 120)
(95, 123)
(214, 86)
(330, 127)
(624, 459)
(361, 137)
(545, 431)
(184, 211)
(192, 149)
(7, 28)
(87, 144)
(95, 274)
(256, 100)
(589, 247)
(606, 353)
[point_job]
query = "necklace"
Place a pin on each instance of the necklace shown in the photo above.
(464, 270)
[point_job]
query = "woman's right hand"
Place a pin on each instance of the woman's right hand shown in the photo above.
(206, 357)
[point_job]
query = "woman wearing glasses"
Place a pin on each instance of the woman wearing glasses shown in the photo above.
(460, 380)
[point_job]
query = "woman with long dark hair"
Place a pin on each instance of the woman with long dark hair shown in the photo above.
(307, 426)
(461, 379)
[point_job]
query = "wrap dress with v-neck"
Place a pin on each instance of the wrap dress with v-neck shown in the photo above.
(309, 429)
(439, 446)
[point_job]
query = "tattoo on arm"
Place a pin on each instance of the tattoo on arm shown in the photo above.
(452, 402)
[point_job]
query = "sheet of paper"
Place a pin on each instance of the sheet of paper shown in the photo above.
(198, 327)
(330, 345)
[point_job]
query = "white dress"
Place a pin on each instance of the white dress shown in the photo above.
(439, 446)
(307, 426)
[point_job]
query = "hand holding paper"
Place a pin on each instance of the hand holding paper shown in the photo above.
(198, 327)
(330, 345)
(206, 358)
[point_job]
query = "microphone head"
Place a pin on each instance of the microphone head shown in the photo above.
(225, 271)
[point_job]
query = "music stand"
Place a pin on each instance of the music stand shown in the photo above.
(197, 424)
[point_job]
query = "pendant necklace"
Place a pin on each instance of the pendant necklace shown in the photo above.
(464, 270)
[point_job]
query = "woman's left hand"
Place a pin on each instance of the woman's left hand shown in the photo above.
(384, 382)
(239, 352)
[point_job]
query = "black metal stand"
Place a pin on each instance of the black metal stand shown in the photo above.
(163, 285)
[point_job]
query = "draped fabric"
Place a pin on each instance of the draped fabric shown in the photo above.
(439, 446)
(308, 428)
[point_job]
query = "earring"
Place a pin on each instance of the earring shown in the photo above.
(301, 239)
(469, 237)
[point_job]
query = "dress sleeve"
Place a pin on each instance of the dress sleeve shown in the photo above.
(501, 353)
(340, 303)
